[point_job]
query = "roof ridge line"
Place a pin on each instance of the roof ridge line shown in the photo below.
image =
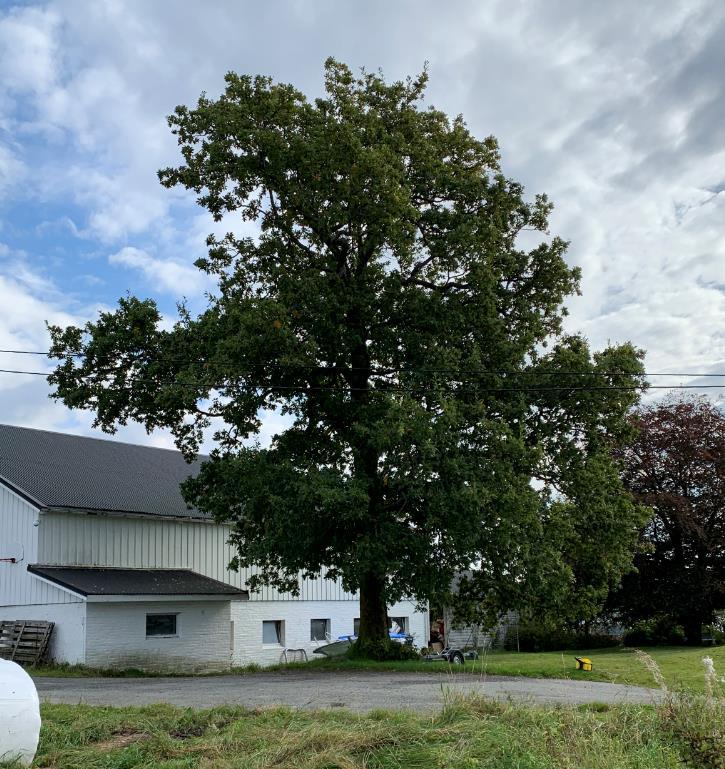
(110, 441)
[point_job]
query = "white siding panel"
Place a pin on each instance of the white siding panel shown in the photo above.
(99, 540)
(17, 532)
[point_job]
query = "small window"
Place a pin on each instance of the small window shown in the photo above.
(273, 632)
(356, 626)
(398, 624)
(319, 629)
(161, 625)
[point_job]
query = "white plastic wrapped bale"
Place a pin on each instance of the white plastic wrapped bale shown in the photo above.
(19, 715)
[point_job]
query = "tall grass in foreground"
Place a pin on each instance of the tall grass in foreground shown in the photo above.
(695, 721)
(468, 733)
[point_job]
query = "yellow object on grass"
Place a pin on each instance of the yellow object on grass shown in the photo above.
(584, 663)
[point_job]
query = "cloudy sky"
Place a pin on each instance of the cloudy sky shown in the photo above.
(616, 109)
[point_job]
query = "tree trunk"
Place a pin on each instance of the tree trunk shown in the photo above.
(373, 611)
(693, 631)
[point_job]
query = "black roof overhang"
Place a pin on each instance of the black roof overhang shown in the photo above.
(101, 583)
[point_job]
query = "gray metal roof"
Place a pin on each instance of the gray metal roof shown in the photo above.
(62, 471)
(90, 580)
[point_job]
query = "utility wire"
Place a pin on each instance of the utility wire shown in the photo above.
(408, 389)
(404, 370)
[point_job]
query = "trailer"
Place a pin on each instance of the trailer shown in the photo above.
(450, 655)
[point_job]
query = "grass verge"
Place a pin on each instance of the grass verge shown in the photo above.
(469, 732)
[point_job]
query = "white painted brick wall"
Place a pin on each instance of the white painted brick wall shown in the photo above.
(113, 635)
(249, 615)
(116, 636)
(67, 644)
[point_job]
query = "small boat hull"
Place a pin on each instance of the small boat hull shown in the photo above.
(335, 649)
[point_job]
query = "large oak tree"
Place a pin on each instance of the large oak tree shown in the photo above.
(389, 309)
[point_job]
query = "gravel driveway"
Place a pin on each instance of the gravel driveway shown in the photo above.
(357, 690)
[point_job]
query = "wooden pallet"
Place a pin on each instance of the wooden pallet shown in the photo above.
(25, 641)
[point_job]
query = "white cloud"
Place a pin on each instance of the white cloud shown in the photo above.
(604, 108)
(29, 56)
(88, 106)
(162, 274)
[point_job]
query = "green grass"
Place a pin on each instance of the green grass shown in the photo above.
(64, 670)
(681, 666)
(468, 733)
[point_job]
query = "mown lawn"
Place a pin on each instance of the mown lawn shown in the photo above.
(681, 666)
(467, 733)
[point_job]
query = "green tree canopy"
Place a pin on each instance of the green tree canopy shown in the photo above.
(389, 310)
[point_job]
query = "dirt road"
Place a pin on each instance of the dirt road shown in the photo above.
(357, 690)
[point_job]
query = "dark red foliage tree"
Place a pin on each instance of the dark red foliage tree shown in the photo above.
(676, 466)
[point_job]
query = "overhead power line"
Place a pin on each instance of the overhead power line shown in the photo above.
(302, 389)
(388, 370)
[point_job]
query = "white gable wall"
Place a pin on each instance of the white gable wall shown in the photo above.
(25, 597)
(19, 537)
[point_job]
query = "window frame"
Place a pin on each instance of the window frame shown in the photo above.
(175, 615)
(405, 626)
(279, 643)
(327, 629)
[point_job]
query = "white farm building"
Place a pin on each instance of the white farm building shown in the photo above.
(96, 538)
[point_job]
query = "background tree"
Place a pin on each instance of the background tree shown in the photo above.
(676, 466)
(389, 310)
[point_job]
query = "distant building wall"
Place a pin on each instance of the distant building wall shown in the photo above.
(477, 636)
